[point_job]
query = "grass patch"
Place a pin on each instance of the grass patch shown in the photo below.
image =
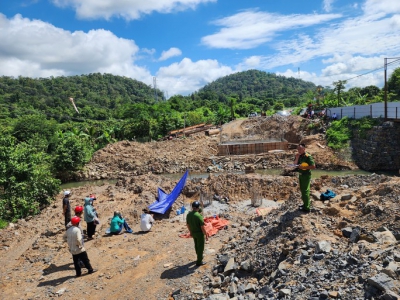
(340, 132)
(3, 224)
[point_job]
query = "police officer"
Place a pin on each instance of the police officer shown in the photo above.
(305, 164)
(195, 224)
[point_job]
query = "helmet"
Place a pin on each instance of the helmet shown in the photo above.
(75, 221)
(117, 213)
(78, 209)
(66, 193)
(304, 164)
(196, 204)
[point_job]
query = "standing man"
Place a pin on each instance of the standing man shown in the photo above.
(73, 237)
(195, 224)
(306, 163)
(66, 208)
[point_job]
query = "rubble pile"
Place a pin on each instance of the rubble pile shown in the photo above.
(347, 248)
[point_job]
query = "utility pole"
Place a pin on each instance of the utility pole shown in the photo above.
(385, 95)
(385, 86)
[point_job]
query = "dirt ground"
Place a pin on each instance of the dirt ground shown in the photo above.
(35, 262)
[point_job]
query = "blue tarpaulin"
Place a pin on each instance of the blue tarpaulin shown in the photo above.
(165, 201)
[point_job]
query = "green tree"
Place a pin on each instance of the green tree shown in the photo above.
(339, 87)
(70, 155)
(279, 106)
(28, 126)
(26, 181)
(394, 83)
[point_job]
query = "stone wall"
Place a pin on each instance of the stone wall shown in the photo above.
(378, 149)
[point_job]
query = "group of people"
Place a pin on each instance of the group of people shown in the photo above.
(74, 232)
(194, 219)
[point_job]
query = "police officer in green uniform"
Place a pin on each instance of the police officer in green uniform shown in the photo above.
(195, 224)
(305, 164)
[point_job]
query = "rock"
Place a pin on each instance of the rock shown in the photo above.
(60, 292)
(168, 265)
(218, 297)
(232, 290)
(355, 235)
(392, 269)
(390, 296)
(323, 247)
(385, 237)
(318, 256)
(285, 292)
(250, 287)
(347, 231)
(230, 266)
(384, 283)
(333, 294)
(246, 265)
(345, 197)
(216, 282)
(198, 290)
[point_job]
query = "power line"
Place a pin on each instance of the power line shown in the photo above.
(373, 70)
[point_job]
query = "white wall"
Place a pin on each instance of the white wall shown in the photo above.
(374, 110)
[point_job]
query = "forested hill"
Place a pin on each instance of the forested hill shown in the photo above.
(260, 85)
(96, 95)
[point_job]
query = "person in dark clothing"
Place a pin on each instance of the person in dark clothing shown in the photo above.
(89, 216)
(195, 224)
(66, 208)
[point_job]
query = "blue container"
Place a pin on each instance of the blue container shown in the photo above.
(178, 212)
(183, 209)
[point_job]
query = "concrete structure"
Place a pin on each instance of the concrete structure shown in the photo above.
(248, 147)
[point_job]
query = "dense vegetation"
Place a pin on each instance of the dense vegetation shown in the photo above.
(44, 139)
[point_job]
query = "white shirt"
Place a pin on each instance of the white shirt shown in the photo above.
(145, 222)
(73, 237)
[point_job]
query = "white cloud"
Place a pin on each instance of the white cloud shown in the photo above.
(251, 28)
(187, 76)
(170, 53)
(363, 81)
(357, 44)
(377, 7)
(327, 5)
(127, 9)
(38, 49)
(252, 61)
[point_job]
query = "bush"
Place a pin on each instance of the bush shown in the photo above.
(25, 178)
(339, 134)
(71, 154)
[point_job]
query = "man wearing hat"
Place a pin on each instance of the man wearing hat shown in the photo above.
(195, 224)
(73, 237)
(66, 208)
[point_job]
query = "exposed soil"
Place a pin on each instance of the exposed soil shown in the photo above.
(35, 262)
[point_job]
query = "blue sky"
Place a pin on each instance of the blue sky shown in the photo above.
(186, 44)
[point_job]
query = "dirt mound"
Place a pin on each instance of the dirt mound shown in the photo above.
(272, 128)
(199, 152)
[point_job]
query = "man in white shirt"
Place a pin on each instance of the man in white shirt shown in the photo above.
(73, 236)
(146, 220)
